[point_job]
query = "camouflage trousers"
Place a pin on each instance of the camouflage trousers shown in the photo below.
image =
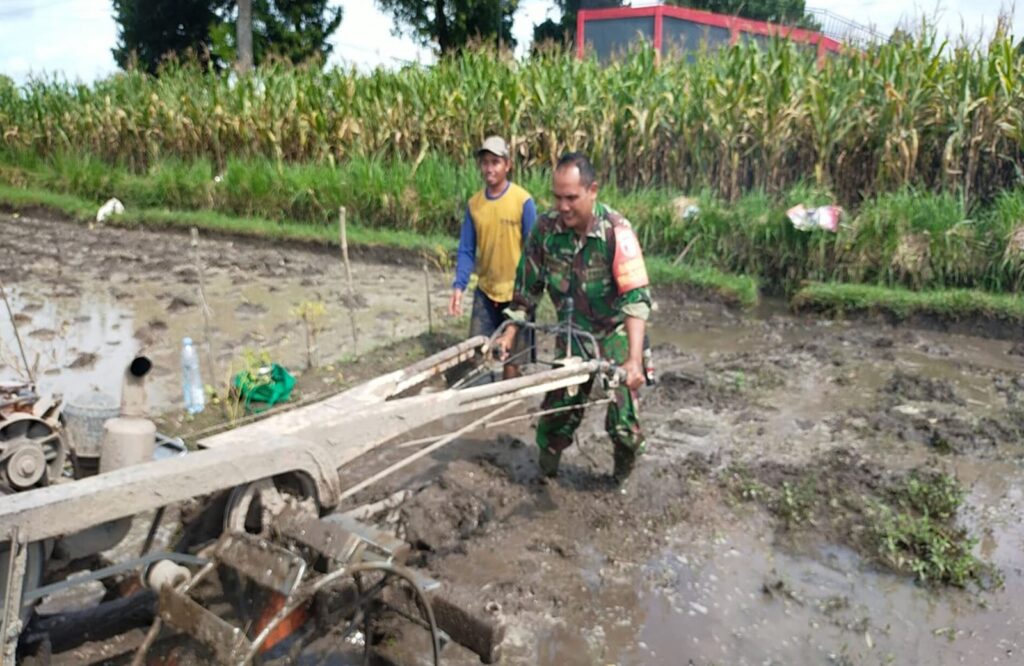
(621, 422)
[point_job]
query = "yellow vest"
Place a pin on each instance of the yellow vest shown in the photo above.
(499, 240)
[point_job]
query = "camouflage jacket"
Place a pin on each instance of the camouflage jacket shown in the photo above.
(603, 272)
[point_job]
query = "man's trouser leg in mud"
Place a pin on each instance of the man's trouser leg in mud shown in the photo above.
(555, 431)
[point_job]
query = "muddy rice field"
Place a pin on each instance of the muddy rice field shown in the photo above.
(796, 471)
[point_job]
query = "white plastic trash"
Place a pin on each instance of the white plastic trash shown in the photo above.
(686, 208)
(112, 207)
(822, 217)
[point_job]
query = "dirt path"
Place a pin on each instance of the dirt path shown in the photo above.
(745, 536)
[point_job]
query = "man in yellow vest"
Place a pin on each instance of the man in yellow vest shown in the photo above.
(498, 219)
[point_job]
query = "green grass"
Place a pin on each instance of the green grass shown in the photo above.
(916, 532)
(741, 290)
(906, 522)
(387, 195)
(908, 238)
(83, 210)
(953, 304)
(903, 239)
(69, 205)
(732, 289)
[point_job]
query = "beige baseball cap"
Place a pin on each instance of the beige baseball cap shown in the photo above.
(495, 145)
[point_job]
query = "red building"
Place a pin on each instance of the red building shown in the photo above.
(607, 32)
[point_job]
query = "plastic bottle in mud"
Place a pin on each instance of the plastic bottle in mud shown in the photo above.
(191, 378)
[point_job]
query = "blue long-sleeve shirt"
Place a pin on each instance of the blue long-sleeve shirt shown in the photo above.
(485, 232)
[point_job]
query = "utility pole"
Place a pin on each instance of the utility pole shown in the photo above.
(244, 36)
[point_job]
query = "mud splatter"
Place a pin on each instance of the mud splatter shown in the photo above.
(179, 304)
(44, 334)
(83, 360)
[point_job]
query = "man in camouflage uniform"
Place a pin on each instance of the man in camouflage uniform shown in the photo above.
(585, 251)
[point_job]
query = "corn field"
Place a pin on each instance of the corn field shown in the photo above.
(918, 113)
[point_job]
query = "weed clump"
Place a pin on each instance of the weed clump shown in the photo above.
(916, 532)
(903, 521)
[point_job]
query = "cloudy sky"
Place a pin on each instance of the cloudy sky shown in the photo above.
(74, 37)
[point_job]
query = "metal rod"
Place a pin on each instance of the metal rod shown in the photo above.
(17, 558)
(479, 371)
(511, 419)
(114, 570)
(154, 630)
(151, 535)
(17, 336)
(397, 570)
(569, 309)
(357, 398)
(503, 391)
(424, 451)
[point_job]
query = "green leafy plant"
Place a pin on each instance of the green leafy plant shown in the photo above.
(794, 503)
(255, 367)
(919, 535)
(311, 313)
(745, 485)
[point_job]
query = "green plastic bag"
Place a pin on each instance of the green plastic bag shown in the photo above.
(267, 387)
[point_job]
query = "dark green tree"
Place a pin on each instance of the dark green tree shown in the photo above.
(563, 31)
(296, 30)
(150, 30)
(789, 12)
(451, 24)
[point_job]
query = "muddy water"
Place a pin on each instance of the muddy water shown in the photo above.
(85, 301)
(739, 593)
(677, 570)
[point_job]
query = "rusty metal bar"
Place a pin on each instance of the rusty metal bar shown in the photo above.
(267, 564)
(181, 612)
(17, 562)
(331, 541)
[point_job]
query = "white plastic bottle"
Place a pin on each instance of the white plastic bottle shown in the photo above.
(191, 379)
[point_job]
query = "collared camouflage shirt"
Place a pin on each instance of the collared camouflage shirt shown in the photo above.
(603, 272)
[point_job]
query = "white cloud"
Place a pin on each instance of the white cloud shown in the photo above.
(364, 39)
(70, 37)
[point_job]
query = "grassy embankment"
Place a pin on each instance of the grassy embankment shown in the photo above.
(873, 264)
(920, 139)
(389, 206)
